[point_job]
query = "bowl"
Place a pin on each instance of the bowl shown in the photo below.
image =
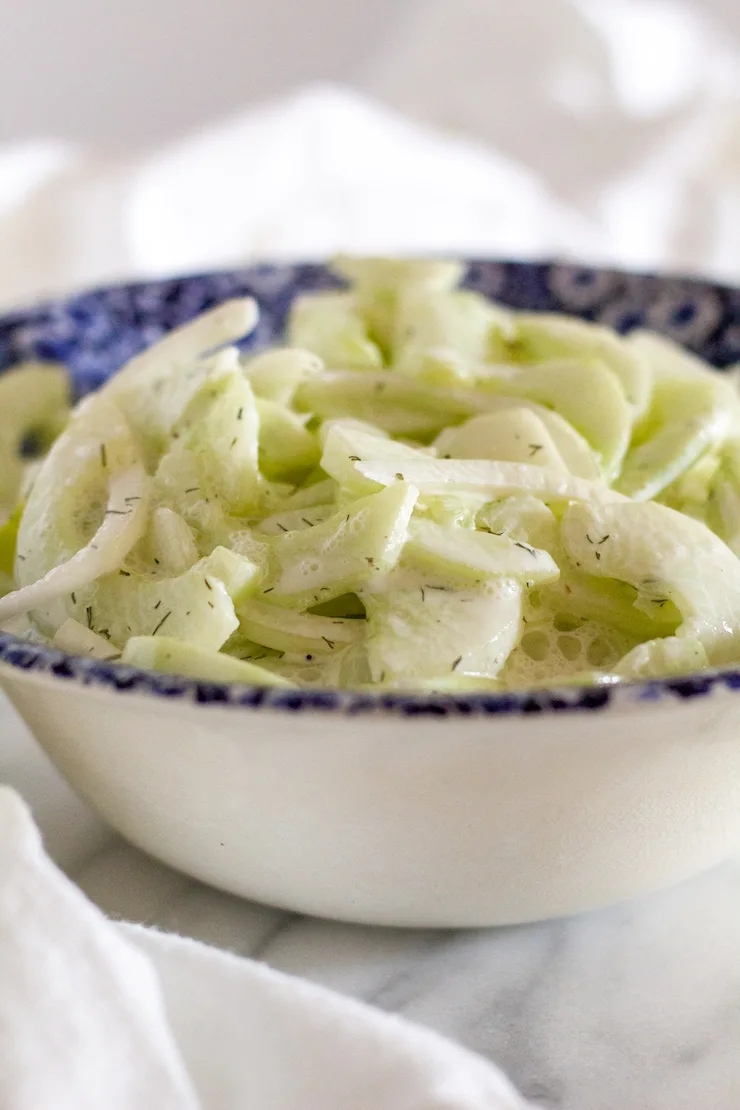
(399, 809)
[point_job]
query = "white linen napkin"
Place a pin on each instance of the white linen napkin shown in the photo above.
(326, 169)
(97, 1016)
(322, 170)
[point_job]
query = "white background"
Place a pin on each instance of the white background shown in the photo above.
(122, 74)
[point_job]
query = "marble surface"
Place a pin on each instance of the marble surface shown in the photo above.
(635, 1008)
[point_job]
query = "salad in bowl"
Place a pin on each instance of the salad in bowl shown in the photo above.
(417, 488)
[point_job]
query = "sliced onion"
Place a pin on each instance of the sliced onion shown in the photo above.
(230, 321)
(124, 524)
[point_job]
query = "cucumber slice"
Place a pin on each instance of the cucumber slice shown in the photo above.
(347, 443)
(76, 639)
(723, 497)
(440, 337)
(332, 327)
(172, 542)
(668, 359)
(450, 510)
(694, 492)
(286, 448)
(520, 517)
(688, 416)
(198, 606)
(319, 493)
(345, 667)
(162, 653)
(303, 633)
(572, 447)
(656, 658)
(224, 437)
(514, 435)
(183, 484)
(341, 555)
(400, 407)
(9, 540)
(420, 630)
(378, 282)
(295, 520)
(541, 337)
(476, 556)
(171, 403)
(34, 402)
(275, 375)
(390, 273)
(587, 395)
(657, 551)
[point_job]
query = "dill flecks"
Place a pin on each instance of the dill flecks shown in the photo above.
(164, 618)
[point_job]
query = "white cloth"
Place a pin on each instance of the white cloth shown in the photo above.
(321, 171)
(95, 1016)
(604, 130)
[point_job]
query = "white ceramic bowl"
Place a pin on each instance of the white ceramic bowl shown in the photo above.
(377, 815)
(429, 810)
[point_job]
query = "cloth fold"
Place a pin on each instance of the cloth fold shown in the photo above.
(94, 1014)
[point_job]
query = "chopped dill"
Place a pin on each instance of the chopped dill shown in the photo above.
(164, 618)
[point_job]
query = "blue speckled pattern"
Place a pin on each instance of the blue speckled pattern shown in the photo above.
(94, 333)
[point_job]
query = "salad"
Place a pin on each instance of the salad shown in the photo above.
(420, 490)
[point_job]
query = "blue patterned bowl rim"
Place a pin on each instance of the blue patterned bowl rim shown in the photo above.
(96, 331)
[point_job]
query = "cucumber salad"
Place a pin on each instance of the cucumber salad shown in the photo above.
(420, 490)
